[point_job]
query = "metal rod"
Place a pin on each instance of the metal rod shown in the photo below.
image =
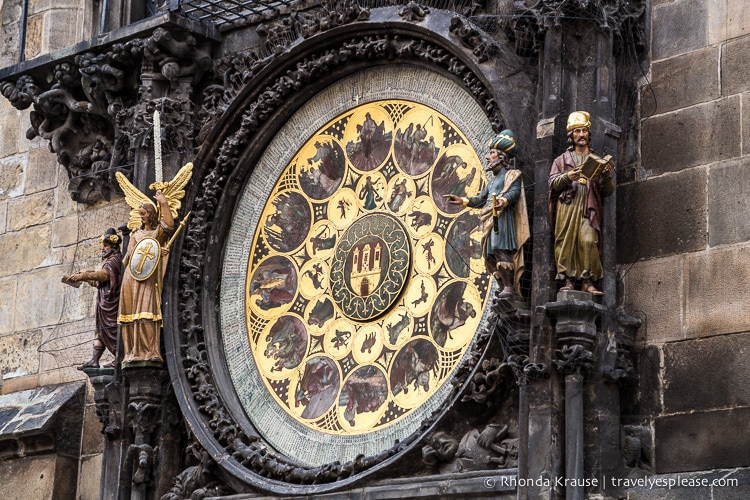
(22, 31)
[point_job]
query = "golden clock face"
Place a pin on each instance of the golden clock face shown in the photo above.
(364, 287)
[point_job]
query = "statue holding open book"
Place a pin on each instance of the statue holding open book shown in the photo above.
(107, 282)
(578, 182)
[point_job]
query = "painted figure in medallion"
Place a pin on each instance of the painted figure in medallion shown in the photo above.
(450, 312)
(140, 313)
(107, 280)
(318, 387)
(325, 170)
(287, 343)
(369, 193)
(364, 392)
(413, 153)
(576, 192)
(274, 282)
(413, 366)
(371, 148)
(505, 224)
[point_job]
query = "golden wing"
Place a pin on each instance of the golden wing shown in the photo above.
(174, 190)
(134, 198)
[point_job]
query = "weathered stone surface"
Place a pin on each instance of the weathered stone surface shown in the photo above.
(67, 344)
(89, 478)
(702, 440)
(654, 288)
(728, 202)
(36, 6)
(18, 353)
(716, 22)
(35, 144)
(651, 222)
(717, 287)
(65, 231)
(682, 81)
(738, 18)
(678, 27)
(60, 29)
(25, 250)
(92, 442)
(95, 220)
(702, 134)
(735, 66)
(12, 176)
(17, 477)
(31, 210)
(9, 133)
(41, 171)
(34, 36)
(64, 305)
(3, 216)
(61, 376)
(643, 397)
(65, 204)
(724, 373)
(7, 304)
(746, 123)
(16, 384)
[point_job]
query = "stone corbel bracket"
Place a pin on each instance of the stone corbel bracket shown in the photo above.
(86, 102)
(576, 334)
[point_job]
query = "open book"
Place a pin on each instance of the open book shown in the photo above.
(593, 166)
(66, 280)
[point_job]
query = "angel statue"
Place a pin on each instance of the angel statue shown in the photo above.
(140, 314)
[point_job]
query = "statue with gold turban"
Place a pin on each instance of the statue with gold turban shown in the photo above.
(575, 207)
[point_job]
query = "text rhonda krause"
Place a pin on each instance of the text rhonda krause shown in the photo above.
(618, 482)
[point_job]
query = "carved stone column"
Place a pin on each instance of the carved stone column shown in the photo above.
(576, 331)
(109, 410)
(144, 400)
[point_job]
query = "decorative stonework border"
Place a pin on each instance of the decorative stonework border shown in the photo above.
(269, 96)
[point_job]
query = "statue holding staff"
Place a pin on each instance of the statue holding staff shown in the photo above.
(505, 223)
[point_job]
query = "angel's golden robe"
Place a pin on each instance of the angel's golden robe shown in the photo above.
(140, 303)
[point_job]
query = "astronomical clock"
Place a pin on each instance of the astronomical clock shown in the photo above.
(351, 290)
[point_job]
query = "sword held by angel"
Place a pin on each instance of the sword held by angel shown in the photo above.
(152, 224)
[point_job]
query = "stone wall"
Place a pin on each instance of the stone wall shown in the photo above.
(52, 25)
(684, 236)
(43, 235)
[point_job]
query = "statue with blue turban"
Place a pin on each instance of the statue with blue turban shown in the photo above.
(505, 223)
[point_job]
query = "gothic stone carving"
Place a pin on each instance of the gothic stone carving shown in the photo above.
(91, 114)
(486, 450)
(526, 28)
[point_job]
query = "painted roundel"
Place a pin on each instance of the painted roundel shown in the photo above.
(363, 288)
